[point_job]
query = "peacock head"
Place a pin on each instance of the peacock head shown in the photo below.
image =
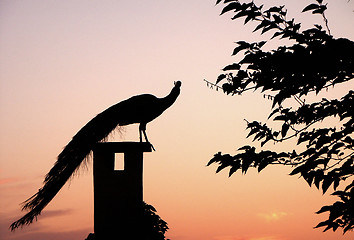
(178, 84)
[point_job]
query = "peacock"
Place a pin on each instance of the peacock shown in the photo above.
(140, 109)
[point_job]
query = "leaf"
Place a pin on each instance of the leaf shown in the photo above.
(253, 67)
(277, 19)
(319, 27)
(337, 145)
(349, 186)
(240, 14)
(274, 112)
(240, 48)
(210, 162)
(348, 227)
(264, 23)
(235, 167)
(274, 9)
(261, 44)
(309, 178)
(266, 140)
(247, 147)
(242, 74)
(277, 34)
(322, 224)
(250, 16)
(221, 167)
(324, 209)
(348, 140)
(320, 10)
(311, 7)
(253, 131)
(318, 178)
(296, 170)
(284, 129)
(335, 226)
(338, 193)
(231, 6)
(220, 78)
(234, 66)
(216, 158)
(326, 183)
(336, 183)
(246, 163)
(262, 165)
(271, 26)
(250, 58)
(278, 99)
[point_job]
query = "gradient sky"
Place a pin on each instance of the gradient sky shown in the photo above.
(62, 62)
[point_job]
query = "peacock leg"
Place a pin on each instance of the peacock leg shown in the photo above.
(147, 140)
(142, 129)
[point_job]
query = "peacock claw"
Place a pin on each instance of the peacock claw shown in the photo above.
(152, 147)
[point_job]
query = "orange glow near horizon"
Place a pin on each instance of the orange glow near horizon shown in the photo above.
(63, 62)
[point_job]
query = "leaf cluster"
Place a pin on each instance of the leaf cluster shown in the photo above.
(248, 157)
(340, 212)
(314, 62)
(153, 226)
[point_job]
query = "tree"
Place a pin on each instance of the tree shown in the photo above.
(312, 62)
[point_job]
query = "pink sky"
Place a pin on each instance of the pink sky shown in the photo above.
(62, 62)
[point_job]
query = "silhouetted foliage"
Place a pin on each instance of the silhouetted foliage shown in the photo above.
(314, 61)
(154, 227)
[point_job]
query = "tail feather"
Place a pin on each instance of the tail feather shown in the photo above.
(68, 162)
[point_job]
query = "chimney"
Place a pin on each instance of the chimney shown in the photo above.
(118, 194)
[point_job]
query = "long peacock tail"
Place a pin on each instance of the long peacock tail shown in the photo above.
(69, 161)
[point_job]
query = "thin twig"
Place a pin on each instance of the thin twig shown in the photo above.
(326, 23)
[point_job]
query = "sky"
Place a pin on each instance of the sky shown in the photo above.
(63, 62)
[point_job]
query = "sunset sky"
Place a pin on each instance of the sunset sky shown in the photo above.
(63, 62)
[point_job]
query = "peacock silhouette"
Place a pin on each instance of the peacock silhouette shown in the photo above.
(140, 109)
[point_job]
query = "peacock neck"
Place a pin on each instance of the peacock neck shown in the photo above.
(170, 98)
